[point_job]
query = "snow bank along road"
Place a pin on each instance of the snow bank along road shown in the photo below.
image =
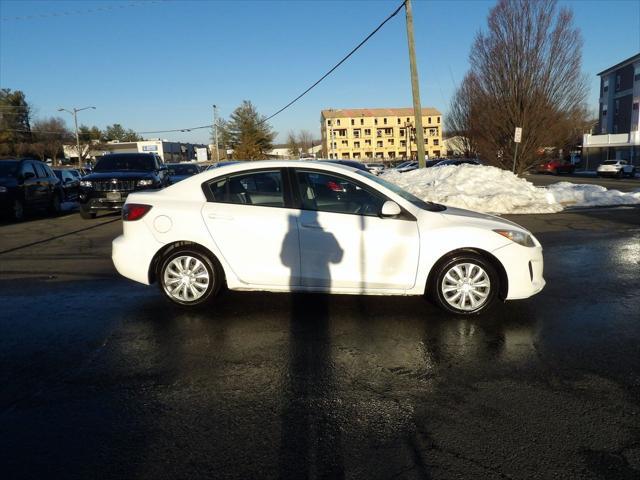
(493, 190)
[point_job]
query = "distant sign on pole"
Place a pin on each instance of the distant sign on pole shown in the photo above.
(517, 137)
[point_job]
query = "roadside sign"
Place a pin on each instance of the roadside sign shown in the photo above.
(517, 137)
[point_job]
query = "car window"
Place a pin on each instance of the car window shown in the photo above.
(41, 172)
(329, 193)
(262, 188)
(27, 167)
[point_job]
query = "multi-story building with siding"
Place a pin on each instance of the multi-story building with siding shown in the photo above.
(379, 133)
(617, 135)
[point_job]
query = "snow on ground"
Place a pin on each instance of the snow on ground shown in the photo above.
(493, 190)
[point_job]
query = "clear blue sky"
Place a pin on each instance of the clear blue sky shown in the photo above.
(161, 65)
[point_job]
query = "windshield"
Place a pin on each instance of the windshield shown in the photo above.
(8, 168)
(610, 162)
(114, 163)
(432, 207)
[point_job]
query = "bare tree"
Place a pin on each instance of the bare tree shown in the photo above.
(305, 137)
(458, 120)
(50, 135)
(525, 72)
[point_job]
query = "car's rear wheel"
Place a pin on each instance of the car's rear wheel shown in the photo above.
(189, 277)
(467, 284)
(87, 215)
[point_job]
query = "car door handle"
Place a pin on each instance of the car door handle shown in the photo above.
(312, 225)
(216, 216)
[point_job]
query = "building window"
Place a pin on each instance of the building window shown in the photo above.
(617, 108)
(368, 154)
(388, 131)
(335, 145)
(367, 132)
(617, 82)
(338, 122)
(345, 143)
(379, 143)
(426, 141)
(403, 143)
(635, 106)
(438, 120)
(378, 133)
(398, 121)
(329, 123)
(367, 142)
(353, 122)
(636, 73)
(429, 120)
(384, 120)
(604, 110)
(605, 85)
(356, 144)
(356, 133)
(407, 119)
(402, 132)
(362, 121)
(342, 132)
(391, 141)
(375, 121)
(436, 142)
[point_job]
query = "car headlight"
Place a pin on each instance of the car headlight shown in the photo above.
(521, 238)
(144, 183)
(86, 183)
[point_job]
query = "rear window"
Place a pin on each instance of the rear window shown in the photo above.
(263, 188)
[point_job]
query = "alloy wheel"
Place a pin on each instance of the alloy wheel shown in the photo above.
(186, 279)
(466, 286)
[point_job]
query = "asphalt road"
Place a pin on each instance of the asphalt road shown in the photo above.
(103, 379)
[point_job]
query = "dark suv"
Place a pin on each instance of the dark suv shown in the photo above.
(28, 185)
(115, 176)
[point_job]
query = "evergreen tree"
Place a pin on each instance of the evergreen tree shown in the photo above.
(247, 133)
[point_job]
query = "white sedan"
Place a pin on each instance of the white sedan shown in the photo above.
(287, 226)
(616, 168)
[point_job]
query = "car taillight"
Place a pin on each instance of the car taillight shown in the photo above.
(134, 211)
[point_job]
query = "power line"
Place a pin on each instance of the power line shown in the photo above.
(344, 59)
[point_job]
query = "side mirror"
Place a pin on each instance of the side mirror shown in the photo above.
(390, 209)
(28, 175)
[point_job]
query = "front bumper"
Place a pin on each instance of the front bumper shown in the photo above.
(524, 267)
(95, 202)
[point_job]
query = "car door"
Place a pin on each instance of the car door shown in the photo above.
(30, 185)
(345, 243)
(43, 185)
(249, 219)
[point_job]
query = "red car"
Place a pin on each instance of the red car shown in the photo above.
(555, 167)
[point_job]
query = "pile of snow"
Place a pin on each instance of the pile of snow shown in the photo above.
(493, 190)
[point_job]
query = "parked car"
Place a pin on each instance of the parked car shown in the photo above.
(320, 227)
(180, 171)
(456, 162)
(27, 185)
(555, 167)
(616, 168)
(70, 183)
(117, 175)
(375, 168)
(406, 167)
(348, 163)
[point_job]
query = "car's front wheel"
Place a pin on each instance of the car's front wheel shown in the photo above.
(189, 277)
(467, 284)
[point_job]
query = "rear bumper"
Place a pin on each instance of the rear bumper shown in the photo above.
(524, 267)
(132, 259)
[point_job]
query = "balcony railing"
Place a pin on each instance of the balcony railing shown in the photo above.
(612, 139)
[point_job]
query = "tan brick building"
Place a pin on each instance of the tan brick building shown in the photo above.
(380, 133)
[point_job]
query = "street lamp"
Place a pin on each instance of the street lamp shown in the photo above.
(75, 120)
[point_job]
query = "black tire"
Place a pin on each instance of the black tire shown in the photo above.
(620, 173)
(17, 210)
(87, 215)
(55, 207)
(438, 295)
(209, 263)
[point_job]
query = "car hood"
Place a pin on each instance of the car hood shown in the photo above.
(483, 220)
(128, 174)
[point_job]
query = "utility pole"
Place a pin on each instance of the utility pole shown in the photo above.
(75, 121)
(215, 131)
(415, 86)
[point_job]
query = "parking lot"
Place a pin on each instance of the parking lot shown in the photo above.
(102, 378)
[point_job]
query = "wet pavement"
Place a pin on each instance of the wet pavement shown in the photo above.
(101, 378)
